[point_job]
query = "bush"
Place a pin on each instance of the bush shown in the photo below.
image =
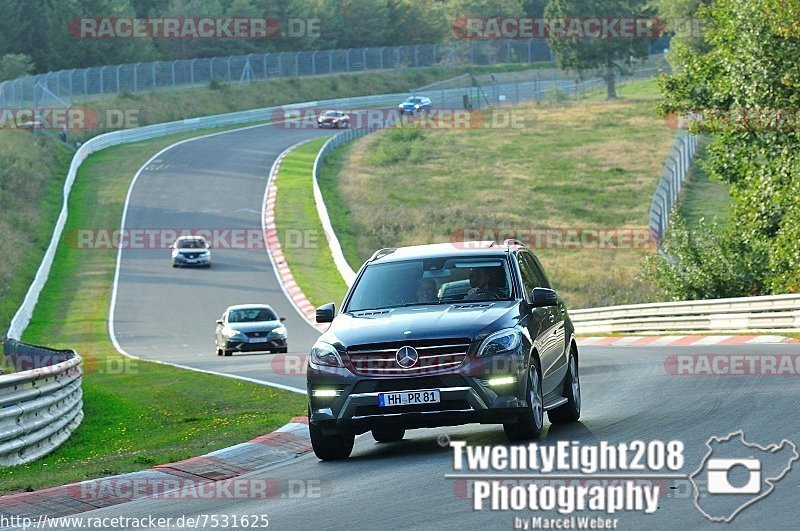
(708, 262)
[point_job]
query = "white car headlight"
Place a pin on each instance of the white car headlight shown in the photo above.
(280, 330)
(504, 340)
(232, 333)
(324, 354)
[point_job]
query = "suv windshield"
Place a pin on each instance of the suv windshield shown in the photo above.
(251, 315)
(431, 281)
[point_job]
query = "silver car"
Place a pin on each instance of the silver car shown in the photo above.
(191, 251)
(250, 328)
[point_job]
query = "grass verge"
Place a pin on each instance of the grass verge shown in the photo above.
(703, 197)
(137, 414)
(311, 262)
(575, 165)
(32, 173)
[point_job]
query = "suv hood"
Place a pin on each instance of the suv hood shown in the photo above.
(425, 322)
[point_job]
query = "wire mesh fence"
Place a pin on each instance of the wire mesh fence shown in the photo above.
(79, 83)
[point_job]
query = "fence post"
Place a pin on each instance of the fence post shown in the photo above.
(230, 74)
(416, 56)
(102, 70)
(119, 67)
(314, 62)
(172, 66)
(154, 75)
(347, 55)
(191, 70)
(380, 50)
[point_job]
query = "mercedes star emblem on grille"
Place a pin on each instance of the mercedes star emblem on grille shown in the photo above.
(406, 357)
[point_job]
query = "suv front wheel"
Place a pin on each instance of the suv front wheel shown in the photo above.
(530, 423)
(330, 447)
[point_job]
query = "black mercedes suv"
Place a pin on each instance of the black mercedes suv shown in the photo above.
(441, 335)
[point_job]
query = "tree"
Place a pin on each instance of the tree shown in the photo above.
(610, 55)
(745, 86)
(14, 65)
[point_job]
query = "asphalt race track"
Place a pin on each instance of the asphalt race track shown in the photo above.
(628, 393)
(168, 314)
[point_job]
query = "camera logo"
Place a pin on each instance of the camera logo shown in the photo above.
(735, 474)
(720, 483)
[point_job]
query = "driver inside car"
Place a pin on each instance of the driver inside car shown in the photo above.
(483, 284)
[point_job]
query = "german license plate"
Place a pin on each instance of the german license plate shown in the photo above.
(409, 398)
(258, 340)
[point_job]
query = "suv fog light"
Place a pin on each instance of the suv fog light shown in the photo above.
(501, 380)
(326, 392)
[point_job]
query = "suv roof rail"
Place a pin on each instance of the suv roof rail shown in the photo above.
(513, 241)
(380, 253)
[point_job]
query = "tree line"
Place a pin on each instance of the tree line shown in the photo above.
(35, 35)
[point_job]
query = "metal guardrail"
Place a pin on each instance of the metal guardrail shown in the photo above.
(41, 406)
(669, 185)
(765, 313)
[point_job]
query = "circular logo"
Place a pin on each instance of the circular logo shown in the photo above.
(406, 357)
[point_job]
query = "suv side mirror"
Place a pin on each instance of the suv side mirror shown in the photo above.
(281, 319)
(326, 312)
(542, 297)
(219, 321)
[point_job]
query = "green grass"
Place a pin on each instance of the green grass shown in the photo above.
(703, 197)
(311, 263)
(32, 173)
(167, 105)
(137, 414)
(338, 210)
(584, 164)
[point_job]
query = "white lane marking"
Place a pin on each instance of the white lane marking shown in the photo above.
(766, 340)
(115, 285)
(627, 340)
(710, 340)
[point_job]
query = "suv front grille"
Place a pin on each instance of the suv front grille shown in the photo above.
(380, 359)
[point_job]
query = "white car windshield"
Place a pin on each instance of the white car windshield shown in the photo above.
(251, 315)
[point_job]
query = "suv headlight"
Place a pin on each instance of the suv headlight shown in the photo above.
(504, 340)
(324, 354)
(279, 330)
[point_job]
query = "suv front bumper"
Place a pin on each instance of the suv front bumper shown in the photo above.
(464, 398)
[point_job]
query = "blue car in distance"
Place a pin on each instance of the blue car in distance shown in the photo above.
(415, 104)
